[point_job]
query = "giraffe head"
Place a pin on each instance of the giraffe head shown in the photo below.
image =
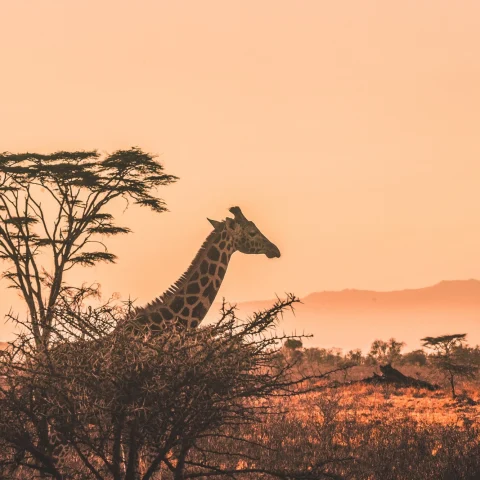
(246, 236)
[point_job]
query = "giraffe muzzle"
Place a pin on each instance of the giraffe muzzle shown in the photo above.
(273, 252)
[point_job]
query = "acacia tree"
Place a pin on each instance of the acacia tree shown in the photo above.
(448, 357)
(385, 352)
(54, 213)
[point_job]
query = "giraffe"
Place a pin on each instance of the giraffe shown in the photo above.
(188, 300)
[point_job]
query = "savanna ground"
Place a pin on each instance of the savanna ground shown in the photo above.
(352, 430)
(371, 432)
(381, 431)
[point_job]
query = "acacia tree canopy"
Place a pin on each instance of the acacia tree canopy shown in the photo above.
(53, 213)
(293, 343)
(444, 343)
(448, 358)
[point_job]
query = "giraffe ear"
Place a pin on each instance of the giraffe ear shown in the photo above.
(215, 223)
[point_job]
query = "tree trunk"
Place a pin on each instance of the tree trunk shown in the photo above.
(452, 385)
(117, 448)
(179, 473)
(132, 462)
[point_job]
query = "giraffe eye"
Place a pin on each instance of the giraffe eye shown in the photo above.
(252, 233)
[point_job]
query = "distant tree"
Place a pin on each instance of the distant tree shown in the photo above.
(292, 350)
(333, 356)
(449, 359)
(385, 352)
(354, 357)
(327, 356)
(54, 216)
(314, 356)
(469, 355)
(415, 357)
(293, 344)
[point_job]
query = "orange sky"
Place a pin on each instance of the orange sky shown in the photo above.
(348, 131)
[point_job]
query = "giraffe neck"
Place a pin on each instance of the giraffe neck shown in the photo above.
(188, 300)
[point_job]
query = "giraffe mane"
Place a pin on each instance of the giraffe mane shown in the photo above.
(175, 287)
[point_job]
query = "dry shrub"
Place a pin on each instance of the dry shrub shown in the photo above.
(134, 406)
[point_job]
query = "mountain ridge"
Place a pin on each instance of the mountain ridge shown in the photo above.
(458, 289)
(352, 318)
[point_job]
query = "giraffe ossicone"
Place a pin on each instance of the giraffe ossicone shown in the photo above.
(188, 300)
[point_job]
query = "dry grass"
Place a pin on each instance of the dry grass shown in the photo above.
(377, 433)
(362, 432)
(372, 403)
(371, 432)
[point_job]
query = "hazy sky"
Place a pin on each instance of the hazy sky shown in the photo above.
(348, 131)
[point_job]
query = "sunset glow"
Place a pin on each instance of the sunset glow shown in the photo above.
(347, 131)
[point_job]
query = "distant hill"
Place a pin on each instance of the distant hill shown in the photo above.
(456, 294)
(354, 318)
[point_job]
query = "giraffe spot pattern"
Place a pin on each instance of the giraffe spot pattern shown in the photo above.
(193, 288)
(199, 311)
(213, 254)
(195, 276)
(166, 314)
(210, 292)
(177, 304)
(200, 285)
